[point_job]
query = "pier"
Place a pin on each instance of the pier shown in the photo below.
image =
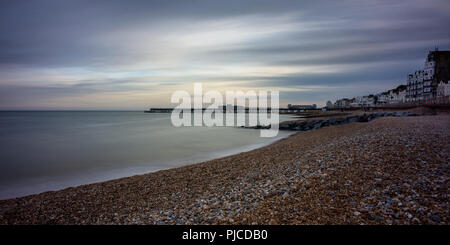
(235, 110)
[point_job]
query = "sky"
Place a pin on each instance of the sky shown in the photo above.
(132, 55)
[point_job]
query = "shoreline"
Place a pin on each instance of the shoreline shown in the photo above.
(28, 188)
(272, 184)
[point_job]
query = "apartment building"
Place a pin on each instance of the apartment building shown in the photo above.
(423, 84)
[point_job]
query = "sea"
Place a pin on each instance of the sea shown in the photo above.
(52, 150)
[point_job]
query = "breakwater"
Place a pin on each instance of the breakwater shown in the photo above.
(316, 124)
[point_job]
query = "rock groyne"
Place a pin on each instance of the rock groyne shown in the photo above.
(317, 124)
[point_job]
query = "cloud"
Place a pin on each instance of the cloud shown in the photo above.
(315, 49)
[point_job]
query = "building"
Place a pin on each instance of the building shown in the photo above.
(423, 84)
(440, 67)
(329, 104)
(414, 86)
(393, 96)
(384, 98)
(396, 95)
(364, 101)
(342, 103)
(443, 90)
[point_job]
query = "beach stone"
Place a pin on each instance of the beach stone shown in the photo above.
(363, 118)
(328, 176)
(351, 119)
(436, 219)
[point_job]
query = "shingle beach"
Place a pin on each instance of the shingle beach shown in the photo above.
(392, 170)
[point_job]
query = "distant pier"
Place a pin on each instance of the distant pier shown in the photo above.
(234, 110)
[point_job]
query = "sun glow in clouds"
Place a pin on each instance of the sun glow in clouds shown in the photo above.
(93, 55)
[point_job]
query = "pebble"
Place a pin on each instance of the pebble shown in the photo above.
(393, 169)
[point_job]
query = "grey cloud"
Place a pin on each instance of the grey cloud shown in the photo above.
(378, 41)
(55, 33)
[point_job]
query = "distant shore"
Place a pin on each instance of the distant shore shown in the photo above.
(393, 170)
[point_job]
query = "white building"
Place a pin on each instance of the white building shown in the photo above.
(428, 76)
(443, 89)
(397, 95)
(342, 103)
(384, 98)
(422, 85)
(364, 101)
(414, 86)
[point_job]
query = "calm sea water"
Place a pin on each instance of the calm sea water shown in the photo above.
(42, 151)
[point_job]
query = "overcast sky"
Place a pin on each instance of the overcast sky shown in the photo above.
(134, 54)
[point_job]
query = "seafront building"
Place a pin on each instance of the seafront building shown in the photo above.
(393, 96)
(422, 85)
(443, 90)
(430, 84)
(342, 103)
(414, 86)
(363, 101)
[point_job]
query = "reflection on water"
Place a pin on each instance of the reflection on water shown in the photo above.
(51, 150)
